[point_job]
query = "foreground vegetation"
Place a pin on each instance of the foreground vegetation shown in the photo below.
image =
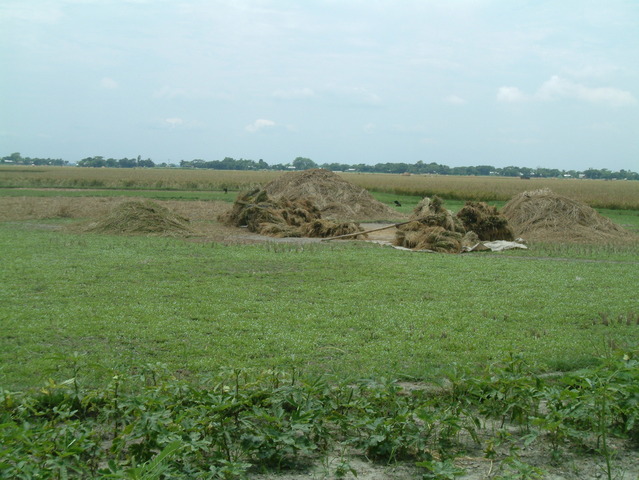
(147, 423)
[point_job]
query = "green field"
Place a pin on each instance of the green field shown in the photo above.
(351, 310)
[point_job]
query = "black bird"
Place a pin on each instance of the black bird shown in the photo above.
(397, 203)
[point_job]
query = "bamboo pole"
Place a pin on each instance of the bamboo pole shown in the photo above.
(392, 225)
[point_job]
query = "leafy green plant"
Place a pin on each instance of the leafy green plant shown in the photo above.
(438, 470)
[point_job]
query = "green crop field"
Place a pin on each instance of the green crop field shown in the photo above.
(87, 322)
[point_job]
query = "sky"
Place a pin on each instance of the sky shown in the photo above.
(534, 83)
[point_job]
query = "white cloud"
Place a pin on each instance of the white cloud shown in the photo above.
(174, 122)
(369, 128)
(108, 83)
(557, 88)
(454, 100)
(259, 124)
(510, 95)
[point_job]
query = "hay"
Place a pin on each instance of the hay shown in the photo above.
(141, 217)
(431, 213)
(336, 198)
(436, 239)
(545, 216)
(432, 228)
(328, 228)
(282, 217)
(485, 221)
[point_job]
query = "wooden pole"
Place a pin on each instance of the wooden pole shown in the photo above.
(393, 225)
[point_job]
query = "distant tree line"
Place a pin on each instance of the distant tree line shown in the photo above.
(303, 163)
(98, 162)
(17, 159)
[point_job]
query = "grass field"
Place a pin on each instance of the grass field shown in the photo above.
(116, 352)
(349, 310)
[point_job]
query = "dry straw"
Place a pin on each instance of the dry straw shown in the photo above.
(142, 217)
(545, 216)
(336, 198)
(432, 228)
(485, 221)
(282, 217)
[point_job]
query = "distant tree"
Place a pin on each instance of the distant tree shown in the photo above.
(302, 163)
(13, 158)
(95, 162)
(592, 173)
(127, 162)
(547, 172)
(148, 163)
(510, 171)
(484, 169)
(335, 167)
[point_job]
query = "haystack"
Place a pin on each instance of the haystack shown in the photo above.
(436, 239)
(432, 228)
(142, 217)
(336, 198)
(282, 217)
(485, 221)
(545, 216)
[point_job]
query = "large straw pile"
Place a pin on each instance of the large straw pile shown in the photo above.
(432, 228)
(485, 221)
(545, 216)
(141, 217)
(282, 217)
(336, 198)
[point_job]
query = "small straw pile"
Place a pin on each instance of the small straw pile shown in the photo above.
(485, 221)
(142, 217)
(432, 228)
(282, 217)
(545, 216)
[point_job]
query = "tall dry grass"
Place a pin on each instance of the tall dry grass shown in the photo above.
(43, 208)
(616, 194)
(131, 178)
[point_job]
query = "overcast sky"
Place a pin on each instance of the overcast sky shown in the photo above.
(459, 82)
